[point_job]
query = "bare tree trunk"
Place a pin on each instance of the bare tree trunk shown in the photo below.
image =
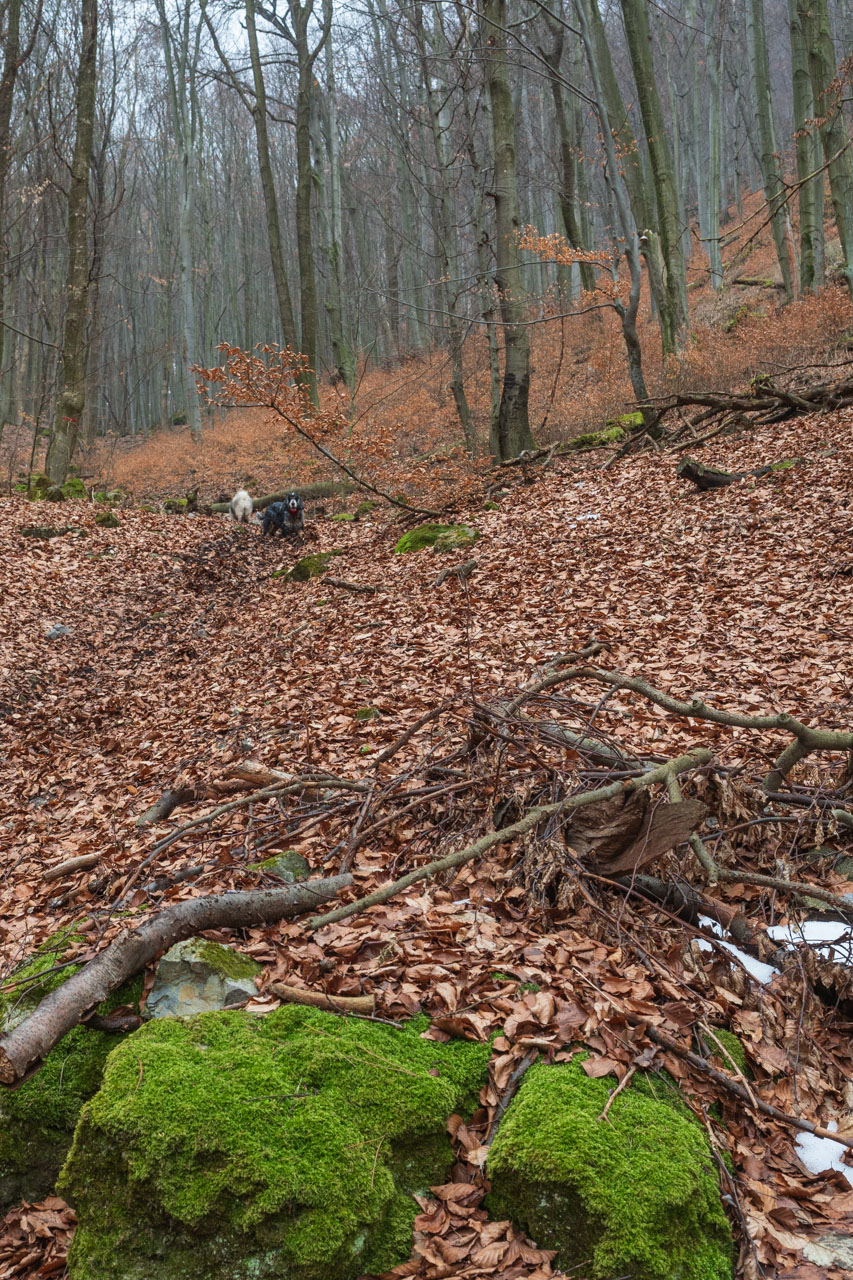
(181, 50)
(437, 94)
(807, 142)
(513, 427)
(336, 311)
(636, 17)
(833, 129)
(71, 400)
(774, 188)
(262, 142)
(553, 56)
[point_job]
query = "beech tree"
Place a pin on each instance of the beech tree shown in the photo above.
(513, 428)
(72, 395)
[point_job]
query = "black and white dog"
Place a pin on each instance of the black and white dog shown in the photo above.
(288, 517)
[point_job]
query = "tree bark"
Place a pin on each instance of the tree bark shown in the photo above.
(636, 17)
(513, 427)
(24, 1048)
(808, 148)
(833, 127)
(774, 188)
(262, 142)
(72, 397)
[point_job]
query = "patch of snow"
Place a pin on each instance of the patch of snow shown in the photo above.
(819, 1154)
(832, 939)
(762, 973)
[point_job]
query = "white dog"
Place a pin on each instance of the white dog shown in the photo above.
(242, 507)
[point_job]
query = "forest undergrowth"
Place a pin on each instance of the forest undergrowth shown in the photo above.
(188, 666)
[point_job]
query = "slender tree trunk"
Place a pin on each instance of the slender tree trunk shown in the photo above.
(833, 129)
(513, 428)
(636, 18)
(627, 313)
(72, 395)
(774, 188)
(262, 142)
(807, 142)
(300, 17)
(335, 307)
(713, 60)
(567, 191)
(11, 64)
(437, 94)
(181, 56)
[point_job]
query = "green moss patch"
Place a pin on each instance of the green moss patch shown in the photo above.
(308, 567)
(635, 1194)
(613, 433)
(37, 1120)
(427, 535)
(228, 1146)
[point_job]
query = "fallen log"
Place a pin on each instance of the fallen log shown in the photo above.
(706, 478)
(24, 1048)
(307, 492)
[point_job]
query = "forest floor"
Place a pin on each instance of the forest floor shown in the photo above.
(185, 656)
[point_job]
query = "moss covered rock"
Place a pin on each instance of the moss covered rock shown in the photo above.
(230, 1147)
(74, 488)
(364, 508)
(425, 535)
(107, 520)
(289, 866)
(313, 566)
(37, 1120)
(635, 1194)
(342, 516)
(455, 539)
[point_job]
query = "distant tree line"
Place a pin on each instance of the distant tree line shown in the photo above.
(349, 180)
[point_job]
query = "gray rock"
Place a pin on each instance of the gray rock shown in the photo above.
(59, 629)
(289, 866)
(196, 976)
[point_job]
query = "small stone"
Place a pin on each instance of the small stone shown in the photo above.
(196, 976)
(59, 629)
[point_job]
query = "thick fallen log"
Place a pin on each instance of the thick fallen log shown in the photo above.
(24, 1048)
(307, 492)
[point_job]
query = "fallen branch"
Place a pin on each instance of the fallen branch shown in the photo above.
(806, 739)
(24, 1048)
(459, 571)
(669, 769)
(320, 1000)
(734, 1086)
(706, 478)
(73, 865)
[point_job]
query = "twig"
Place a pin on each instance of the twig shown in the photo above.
(395, 746)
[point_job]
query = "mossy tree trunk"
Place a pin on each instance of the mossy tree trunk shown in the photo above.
(71, 400)
(513, 426)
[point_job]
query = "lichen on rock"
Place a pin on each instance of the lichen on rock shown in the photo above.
(636, 1193)
(228, 1146)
